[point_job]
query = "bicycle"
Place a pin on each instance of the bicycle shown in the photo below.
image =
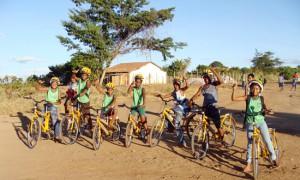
(37, 126)
(70, 124)
(166, 120)
(201, 137)
(259, 149)
(103, 126)
(134, 127)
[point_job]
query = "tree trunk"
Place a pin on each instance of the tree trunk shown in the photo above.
(102, 76)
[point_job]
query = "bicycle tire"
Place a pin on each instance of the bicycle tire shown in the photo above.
(128, 134)
(229, 131)
(200, 144)
(97, 137)
(116, 132)
(255, 162)
(69, 130)
(156, 132)
(190, 125)
(33, 133)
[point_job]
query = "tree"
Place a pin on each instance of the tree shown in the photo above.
(265, 62)
(178, 67)
(218, 64)
(101, 30)
(200, 69)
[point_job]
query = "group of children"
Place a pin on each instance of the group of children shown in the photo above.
(79, 92)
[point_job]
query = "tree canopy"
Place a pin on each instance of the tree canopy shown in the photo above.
(100, 30)
(266, 61)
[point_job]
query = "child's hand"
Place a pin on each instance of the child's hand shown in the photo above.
(132, 84)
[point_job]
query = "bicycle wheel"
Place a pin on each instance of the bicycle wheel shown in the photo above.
(228, 126)
(116, 132)
(69, 130)
(128, 134)
(156, 132)
(275, 145)
(190, 125)
(97, 137)
(255, 155)
(200, 142)
(33, 133)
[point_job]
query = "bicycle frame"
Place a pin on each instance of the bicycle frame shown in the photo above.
(75, 114)
(134, 123)
(101, 123)
(256, 137)
(46, 118)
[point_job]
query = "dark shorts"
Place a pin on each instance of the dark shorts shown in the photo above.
(138, 110)
(213, 113)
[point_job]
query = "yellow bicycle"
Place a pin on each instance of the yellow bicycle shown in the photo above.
(259, 149)
(70, 125)
(201, 137)
(38, 124)
(135, 128)
(103, 126)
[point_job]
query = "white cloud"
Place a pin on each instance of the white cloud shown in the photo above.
(25, 59)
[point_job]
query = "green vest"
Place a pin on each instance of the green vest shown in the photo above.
(254, 111)
(137, 96)
(86, 97)
(52, 97)
(107, 100)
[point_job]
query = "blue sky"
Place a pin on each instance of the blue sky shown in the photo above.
(225, 30)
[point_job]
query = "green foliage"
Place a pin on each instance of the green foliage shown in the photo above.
(100, 30)
(200, 69)
(15, 86)
(265, 62)
(217, 64)
(287, 72)
(177, 67)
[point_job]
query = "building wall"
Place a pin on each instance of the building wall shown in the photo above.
(152, 74)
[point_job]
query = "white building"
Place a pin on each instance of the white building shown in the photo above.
(124, 73)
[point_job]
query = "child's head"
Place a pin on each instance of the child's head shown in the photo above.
(255, 88)
(110, 88)
(85, 73)
(176, 84)
(250, 77)
(73, 78)
(54, 82)
(138, 79)
(206, 78)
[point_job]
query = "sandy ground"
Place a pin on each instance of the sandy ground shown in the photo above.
(49, 160)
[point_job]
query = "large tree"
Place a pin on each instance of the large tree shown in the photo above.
(103, 29)
(265, 62)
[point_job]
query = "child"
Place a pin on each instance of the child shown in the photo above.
(83, 95)
(255, 108)
(210, 94)
(52, 99)
(72, 90)
(181, 108)
(139, 100)
(108, 103)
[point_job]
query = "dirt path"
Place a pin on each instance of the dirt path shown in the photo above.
(51, 160)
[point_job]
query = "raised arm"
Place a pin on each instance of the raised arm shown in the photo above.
(98, 87)
(237, 98)
(186, 84)
(217, 74)
(130, 88)
(197, 94)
